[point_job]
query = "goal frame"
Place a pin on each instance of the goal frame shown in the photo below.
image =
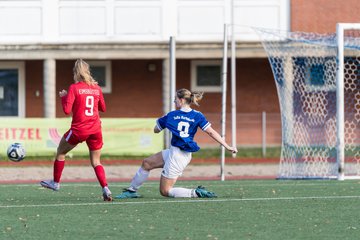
(340, 101)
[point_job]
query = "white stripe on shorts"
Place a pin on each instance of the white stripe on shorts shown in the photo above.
(68, 136)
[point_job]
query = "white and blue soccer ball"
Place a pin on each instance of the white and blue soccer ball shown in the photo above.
(16, 152)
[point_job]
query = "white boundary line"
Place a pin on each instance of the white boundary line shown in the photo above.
(181, 201)
(186, 184)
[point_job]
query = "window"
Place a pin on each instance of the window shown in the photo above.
(316, 73)
(101, 72)
(12, 89)
(206, 76)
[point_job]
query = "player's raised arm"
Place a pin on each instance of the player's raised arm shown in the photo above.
(67, 100)
(216, 136)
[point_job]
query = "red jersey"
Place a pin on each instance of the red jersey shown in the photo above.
(85, 102)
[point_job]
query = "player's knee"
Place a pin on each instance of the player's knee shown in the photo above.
(146, 164)
(164, 192)
(60, 157)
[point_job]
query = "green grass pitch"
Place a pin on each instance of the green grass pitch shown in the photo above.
(245, 209)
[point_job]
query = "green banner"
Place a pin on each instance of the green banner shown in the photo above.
(41, 136)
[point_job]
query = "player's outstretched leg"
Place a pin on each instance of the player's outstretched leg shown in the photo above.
(139, 178)
(50, 184)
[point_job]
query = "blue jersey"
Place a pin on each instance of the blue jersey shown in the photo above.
(183, 126)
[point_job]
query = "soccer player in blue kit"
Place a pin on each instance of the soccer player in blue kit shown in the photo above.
(183, 124)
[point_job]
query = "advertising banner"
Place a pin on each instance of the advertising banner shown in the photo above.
(41, 136)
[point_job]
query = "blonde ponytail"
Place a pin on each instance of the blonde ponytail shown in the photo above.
(190, 97)
(82, 72)
(196, 97)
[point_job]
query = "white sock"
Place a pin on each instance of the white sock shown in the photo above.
(139, 178)
(182, 192)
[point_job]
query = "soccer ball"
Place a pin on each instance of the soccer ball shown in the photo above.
(16, 152)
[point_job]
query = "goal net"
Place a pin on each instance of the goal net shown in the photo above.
(320, 114)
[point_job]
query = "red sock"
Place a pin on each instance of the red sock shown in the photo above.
(58, 168)
(100, 174)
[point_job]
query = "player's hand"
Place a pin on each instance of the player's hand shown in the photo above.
(62, 93)
(233, 150)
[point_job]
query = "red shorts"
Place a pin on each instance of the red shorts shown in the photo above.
(94, 141)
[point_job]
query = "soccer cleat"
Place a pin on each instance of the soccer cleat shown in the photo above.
(50, 184)
(128, 194)
(201, 192)
(107, 194)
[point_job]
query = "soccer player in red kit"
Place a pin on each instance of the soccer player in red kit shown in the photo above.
(84, 99)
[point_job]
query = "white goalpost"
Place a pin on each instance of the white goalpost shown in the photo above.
(318, 83)
(340, 99)
(223, 101)
(224, 76)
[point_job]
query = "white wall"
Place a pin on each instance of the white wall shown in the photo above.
(62, 21)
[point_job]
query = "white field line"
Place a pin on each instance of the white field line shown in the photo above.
(183, 184)
(181, 201)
